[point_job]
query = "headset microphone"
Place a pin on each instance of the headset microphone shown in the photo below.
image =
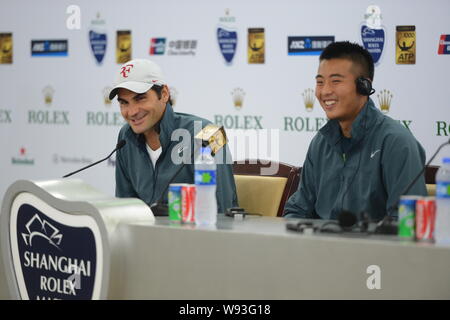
(364, 86)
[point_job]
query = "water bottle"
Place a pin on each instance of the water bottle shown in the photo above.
(205, 183)
(442, 223)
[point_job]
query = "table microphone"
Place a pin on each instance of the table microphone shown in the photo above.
(347, 220)
(159, 208)
(119, 146)
(387, 225)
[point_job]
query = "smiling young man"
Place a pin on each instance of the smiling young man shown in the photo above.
(152, 153)
(361, 160)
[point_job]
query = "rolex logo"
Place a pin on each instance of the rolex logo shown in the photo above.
(48, 92)
(238, 97)
(173, 95)
(106, 91)
(308, 99)
(384, 99)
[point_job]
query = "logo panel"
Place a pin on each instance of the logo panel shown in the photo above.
(98, 39)
(52, 48)
(6, 48)
(182, 48)
(256, 45)
(308, 45)
(444, 44)
(55, 255)
(227, 43)
(373, 35)
(157, 46)
(405, 49)
(227, 36)
(373, 41)
(48, 116)
(22, 158)
(123, 46)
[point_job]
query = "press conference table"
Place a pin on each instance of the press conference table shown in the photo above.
(257, 258)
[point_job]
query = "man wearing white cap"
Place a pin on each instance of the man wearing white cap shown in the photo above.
(144, 165)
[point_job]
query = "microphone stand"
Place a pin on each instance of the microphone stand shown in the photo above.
(159, 208)
(119, 145)
(388, 225)
(408, 187)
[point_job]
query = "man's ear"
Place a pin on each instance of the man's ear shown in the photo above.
(165, 94)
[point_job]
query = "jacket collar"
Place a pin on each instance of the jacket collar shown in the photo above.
(167, 125)
(367, 118)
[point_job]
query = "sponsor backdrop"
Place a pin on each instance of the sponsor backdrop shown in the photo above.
(246, 65)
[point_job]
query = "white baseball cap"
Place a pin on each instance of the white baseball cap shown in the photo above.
(138, 75)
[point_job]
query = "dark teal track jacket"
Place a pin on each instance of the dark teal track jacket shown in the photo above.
(382, 158)
(136, 177)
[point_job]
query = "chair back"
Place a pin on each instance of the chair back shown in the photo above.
(430, 179)
(264, 186)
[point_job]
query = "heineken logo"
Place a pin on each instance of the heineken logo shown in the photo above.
(22, 159)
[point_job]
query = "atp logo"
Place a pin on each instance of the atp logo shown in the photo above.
(37, 227)
(126, 70)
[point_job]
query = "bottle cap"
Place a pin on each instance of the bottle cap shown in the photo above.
(207, 149)
(446, 160)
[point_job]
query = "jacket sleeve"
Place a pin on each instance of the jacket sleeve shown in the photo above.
(403, 158)
(124, 188)
(226, 187)
(301, 204)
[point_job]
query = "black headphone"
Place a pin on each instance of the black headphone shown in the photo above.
(364, 86)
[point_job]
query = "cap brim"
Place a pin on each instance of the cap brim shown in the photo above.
(138, 87)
